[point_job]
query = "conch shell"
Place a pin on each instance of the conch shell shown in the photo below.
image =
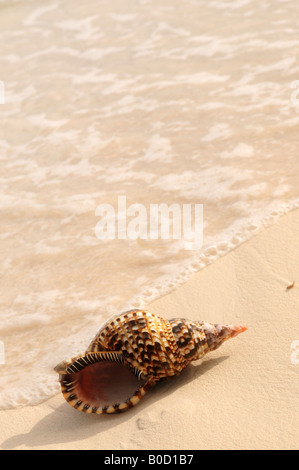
(130, 354)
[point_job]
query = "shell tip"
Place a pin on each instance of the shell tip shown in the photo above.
(237, 329)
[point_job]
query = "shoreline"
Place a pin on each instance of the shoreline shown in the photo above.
(242, 396)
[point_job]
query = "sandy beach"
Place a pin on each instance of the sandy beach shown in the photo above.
(243, 396)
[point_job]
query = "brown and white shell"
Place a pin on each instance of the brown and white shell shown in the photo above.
(130, 354)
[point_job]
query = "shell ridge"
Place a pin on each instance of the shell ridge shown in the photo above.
(91, 358)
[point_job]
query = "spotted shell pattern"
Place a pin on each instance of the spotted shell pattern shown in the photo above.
(148, 346)
(153, 345)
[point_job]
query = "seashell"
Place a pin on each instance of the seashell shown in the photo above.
(130, 354)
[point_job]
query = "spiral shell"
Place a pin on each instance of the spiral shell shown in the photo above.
(130, 354)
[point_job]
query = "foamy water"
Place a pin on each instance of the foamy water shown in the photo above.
(175, 102)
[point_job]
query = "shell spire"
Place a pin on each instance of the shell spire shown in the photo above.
(130, 354)
(216, 334)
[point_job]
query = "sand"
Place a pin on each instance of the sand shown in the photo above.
(243, 396)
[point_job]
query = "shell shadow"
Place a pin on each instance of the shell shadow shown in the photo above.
(64, 424)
